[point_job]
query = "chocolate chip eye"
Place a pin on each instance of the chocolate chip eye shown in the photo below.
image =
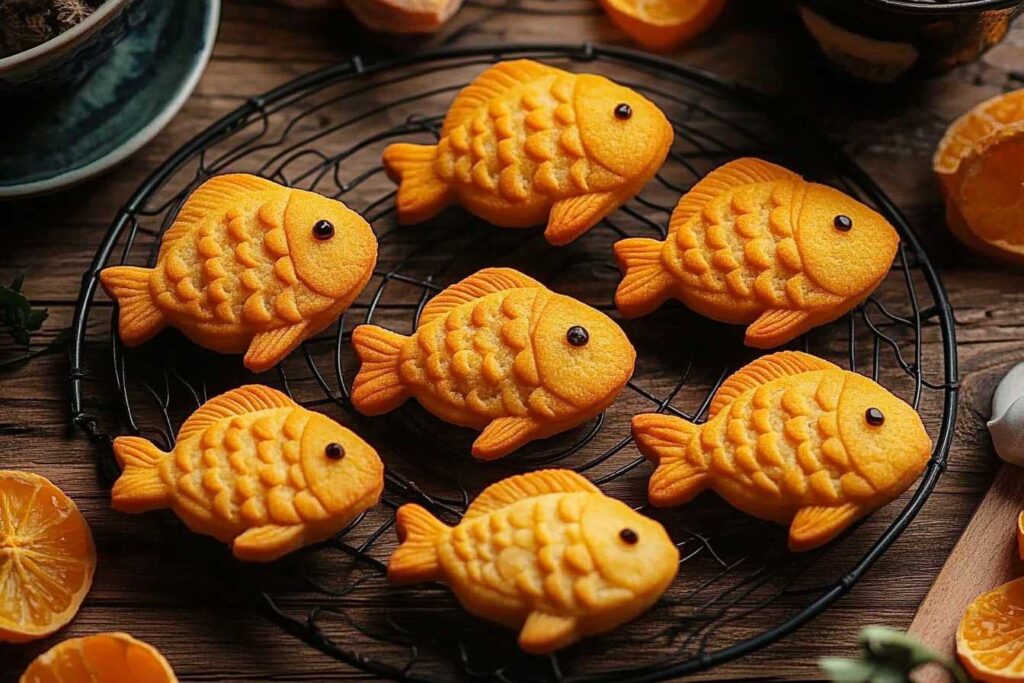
(629, 536)
(623, 111)
(323, 230)
(577, 335)
(335, 451)
(874, 417)
(842, 222)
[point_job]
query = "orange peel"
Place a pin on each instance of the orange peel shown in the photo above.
(965, 134)
(663, 24)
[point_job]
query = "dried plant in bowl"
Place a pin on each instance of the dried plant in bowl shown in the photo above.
(27, 23)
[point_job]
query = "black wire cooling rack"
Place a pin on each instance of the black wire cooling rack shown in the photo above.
(738, 589)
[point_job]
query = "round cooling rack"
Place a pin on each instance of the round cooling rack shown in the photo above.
(738, 589)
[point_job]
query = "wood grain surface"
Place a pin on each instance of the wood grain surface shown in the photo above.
(152, 588)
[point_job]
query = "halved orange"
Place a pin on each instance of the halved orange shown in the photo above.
(47, 557)
(964, 134)
(987, 211)
(990, 638)
(101, 658)
(663, 24)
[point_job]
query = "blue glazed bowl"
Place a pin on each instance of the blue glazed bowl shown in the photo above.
(69, 57)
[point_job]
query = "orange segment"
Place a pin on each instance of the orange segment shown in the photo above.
(102, 658)
(47, 557)
(990, 638)
(663, 24)
(963, 136)
(989, 205)
(1020, 535)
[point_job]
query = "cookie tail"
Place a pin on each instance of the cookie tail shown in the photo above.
(416, 558)
(378, 386)
(140, 487)
(421, 193)
(139, 319)
(665, 440)
(645, 283)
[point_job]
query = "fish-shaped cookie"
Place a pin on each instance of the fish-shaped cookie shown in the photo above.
(753, 243)
(544, 552)
(497, 352)
(254, 469)
(248, 266)
(793, 439)
(527, 143)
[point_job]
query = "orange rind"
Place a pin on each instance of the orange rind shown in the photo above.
(663, 25)
(967, 132)
(47, 557)
(988, 640)
(987, 210)
(100, 658)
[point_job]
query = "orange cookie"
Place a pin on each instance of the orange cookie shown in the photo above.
(793, 439)
(498, 352)
(254, 469)
(248, 266)
(753, 243)
(527, 143)
(546, 552)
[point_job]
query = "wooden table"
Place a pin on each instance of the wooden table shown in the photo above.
(892, 132)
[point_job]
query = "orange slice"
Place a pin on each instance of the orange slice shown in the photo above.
(47, 557)
(663, 24)
(987, 211)
(964, 135)
(990, 638)
(102, 658)
(1020, 535)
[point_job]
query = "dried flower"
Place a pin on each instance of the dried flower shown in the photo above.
(27, 23)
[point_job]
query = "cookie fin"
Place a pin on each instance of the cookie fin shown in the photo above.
(378, 385)
(140, 487)
(268, 542)
(764, 370)
(508, 491)
(545, 632)
(421, 192)
(570, 218)
(734, 174)
(814, 526)
(476, 286)
(777, 327)
(241, 401)
(502, 436)
(139, 320)
(645, 282)
(490, 84)
(271, 347)
(664, 440)
(214, 198)
(416, 560)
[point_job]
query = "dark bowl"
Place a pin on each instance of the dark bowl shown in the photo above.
(885, 40)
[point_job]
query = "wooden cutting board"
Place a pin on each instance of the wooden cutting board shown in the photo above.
(983, 558)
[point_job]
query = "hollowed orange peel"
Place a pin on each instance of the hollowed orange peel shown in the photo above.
(663, 25)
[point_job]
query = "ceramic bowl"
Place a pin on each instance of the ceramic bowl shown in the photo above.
(885, 40)
(60, 137)
(73, 54)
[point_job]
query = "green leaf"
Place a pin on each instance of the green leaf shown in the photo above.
(17, 314)
(19, 281)
(887, 656)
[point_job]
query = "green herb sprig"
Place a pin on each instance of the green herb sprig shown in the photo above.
(887, 656)
(20, 319)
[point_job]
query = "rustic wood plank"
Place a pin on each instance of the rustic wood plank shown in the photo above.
(209, 631)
